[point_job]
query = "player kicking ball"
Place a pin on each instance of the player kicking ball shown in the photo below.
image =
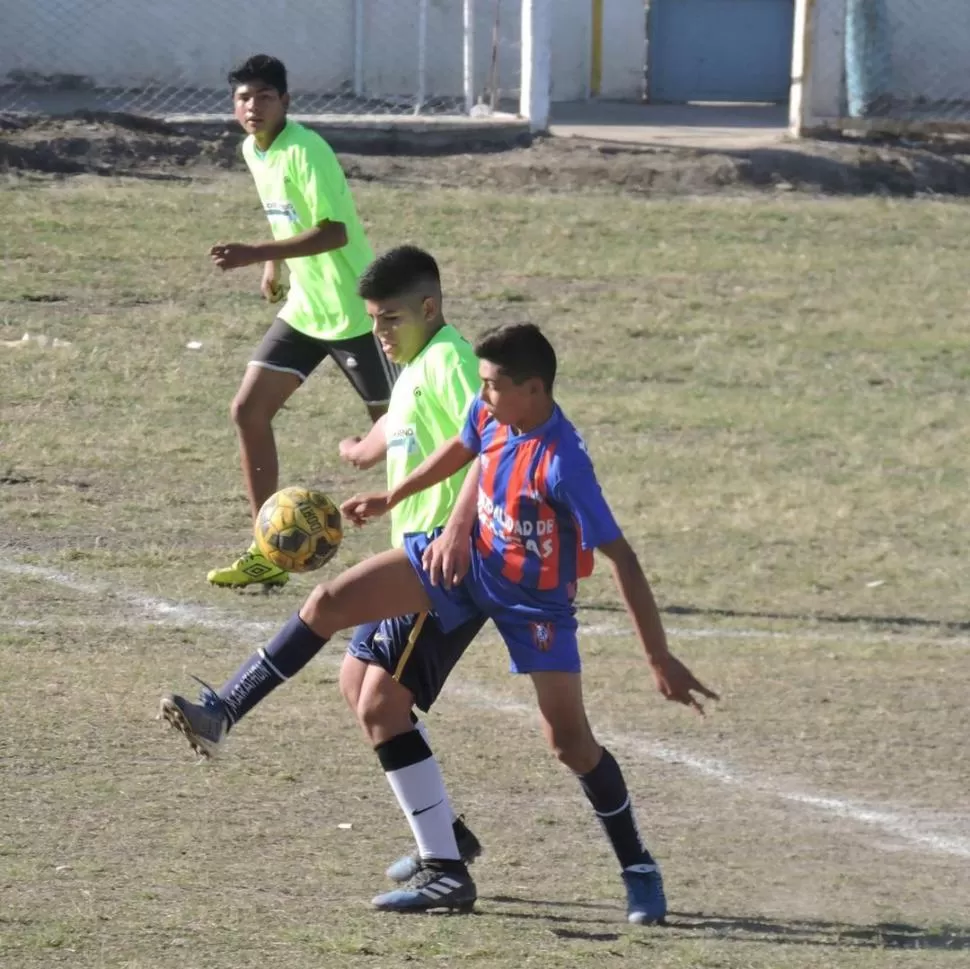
(398, 664)
(540, 516)
(317, 233)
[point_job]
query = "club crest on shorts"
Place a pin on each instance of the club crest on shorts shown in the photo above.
(542, 635)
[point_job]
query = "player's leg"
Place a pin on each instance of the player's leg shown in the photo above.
(370, 373)
(411, 658)
(279, 366)
(383, 585)
(352, 674)
(549, 653)
(406, 662)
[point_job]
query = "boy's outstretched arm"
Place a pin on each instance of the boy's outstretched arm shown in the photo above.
(449, 459)
(323, 237)
(674, 680)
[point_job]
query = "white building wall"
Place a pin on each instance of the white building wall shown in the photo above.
(192, 43)
(624, 48)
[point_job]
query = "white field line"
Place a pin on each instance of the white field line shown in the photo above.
(165, 610)
(905, 827)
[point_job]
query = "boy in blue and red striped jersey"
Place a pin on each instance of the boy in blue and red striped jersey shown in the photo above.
(513, 554)
(540, 515)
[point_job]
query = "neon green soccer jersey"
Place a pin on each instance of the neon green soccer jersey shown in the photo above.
(300, 183)
(429, 403)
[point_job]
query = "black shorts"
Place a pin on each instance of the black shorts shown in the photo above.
(423, 666)
(360, 358)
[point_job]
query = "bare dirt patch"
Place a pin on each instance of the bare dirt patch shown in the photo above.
(118, 144)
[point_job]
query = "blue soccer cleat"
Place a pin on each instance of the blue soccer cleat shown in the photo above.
(204, 725)
(646, 902)
(469, 847)
(432, 889)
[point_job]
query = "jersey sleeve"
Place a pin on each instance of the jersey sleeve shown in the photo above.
(471, 436)
(456, 387)
(320, 180)
(579, 490)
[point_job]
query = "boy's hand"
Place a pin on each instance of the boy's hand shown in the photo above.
(361, 508)
(348, 451)
(233, 255)
(447, 558)
(677, 683)
(270, 286)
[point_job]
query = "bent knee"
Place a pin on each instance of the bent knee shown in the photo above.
(247, 411)
(322, 611)
(372, 712)
(381, 719)
(575, 749)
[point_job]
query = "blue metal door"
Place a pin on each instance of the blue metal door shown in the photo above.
(720, 50)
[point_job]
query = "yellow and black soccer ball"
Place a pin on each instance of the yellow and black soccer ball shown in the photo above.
(298, 529)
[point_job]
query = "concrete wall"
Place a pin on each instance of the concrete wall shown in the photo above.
(929, 53)
(191, 43)
(624, 48)
(827, 60)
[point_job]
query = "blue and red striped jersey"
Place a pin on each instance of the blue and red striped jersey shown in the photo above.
(541, 511)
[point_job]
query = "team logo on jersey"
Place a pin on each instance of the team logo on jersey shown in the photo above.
(280, 210)
(404, 438)
(543, 634)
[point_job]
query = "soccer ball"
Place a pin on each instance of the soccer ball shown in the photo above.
(298, 529)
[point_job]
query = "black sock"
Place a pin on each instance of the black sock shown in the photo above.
(287, 653)
(607, 792)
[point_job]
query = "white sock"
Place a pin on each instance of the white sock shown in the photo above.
(423, 730)
(420, 790)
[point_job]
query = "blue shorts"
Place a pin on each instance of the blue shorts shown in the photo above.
(535, 645)
(423, 666)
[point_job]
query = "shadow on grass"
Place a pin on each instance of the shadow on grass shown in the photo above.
(881, 935)
(806, 932)
(921, 622)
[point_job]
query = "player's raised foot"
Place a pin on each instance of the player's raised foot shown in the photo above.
(251, 569)
(469, 847)
(204, 724)
(435, 886)
(646, 902)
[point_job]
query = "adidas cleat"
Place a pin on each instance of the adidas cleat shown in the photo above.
(469, 847)
(251, 568)
(432, 888)
(646, 902)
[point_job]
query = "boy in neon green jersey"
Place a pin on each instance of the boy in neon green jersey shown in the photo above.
(394, 665)
(317, 233)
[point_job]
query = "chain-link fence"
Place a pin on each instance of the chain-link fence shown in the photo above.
(170, 58)
(884, 63)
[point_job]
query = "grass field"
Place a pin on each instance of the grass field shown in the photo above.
(774, 391)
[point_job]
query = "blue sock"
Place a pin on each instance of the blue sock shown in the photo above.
(287, 653)
(607, 792)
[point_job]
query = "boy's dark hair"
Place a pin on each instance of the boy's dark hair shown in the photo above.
(260, 67)
(520, 351)
(398, 272)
